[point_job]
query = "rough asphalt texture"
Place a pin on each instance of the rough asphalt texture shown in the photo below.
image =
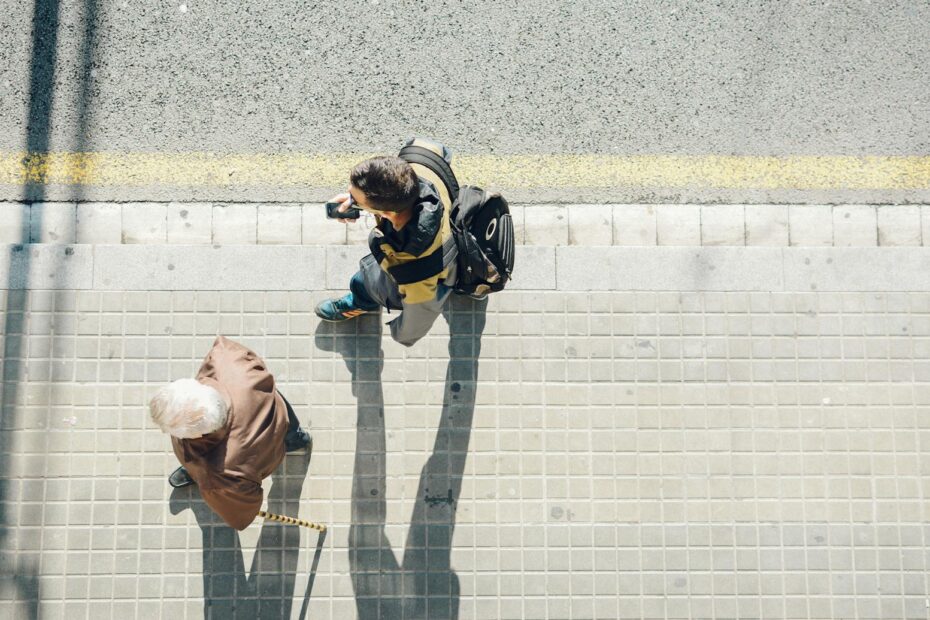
(725, 77)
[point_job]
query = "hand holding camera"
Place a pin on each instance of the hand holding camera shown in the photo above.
(340, 208)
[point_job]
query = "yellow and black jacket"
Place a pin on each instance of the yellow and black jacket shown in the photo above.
(413, 269)
(428, 235)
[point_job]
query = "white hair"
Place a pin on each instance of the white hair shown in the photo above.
(187, 409)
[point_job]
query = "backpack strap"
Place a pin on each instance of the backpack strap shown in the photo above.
(377, 252)
(430, 165)
(433, 162)
(424, 267)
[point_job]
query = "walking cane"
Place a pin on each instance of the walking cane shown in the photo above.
(292, 521)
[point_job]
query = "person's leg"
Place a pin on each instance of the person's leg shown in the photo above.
(292, 422)
(360, 295)
(296, 437)
(356, 303)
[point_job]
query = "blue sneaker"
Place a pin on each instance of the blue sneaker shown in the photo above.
(342, 309)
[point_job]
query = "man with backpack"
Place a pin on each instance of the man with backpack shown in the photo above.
(421, 247)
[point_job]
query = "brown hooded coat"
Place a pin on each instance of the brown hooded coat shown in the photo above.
(230, 463)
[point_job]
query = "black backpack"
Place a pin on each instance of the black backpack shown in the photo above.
(482, 230)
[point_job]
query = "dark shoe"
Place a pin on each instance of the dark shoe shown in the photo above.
(180, 478)
(341, 309)
(296, 440)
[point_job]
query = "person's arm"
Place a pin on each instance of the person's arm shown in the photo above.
(240, 366)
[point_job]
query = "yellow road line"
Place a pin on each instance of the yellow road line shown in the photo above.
(502, 171)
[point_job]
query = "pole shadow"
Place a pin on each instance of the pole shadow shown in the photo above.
(267, 590)
(18, 572)
(423, 584)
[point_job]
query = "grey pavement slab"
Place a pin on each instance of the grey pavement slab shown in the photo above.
(634, 225)
(811, 225)
(669, 268)
(566, 268)
(198, 267)
(235, 223)
(537, 268)
(590, 224)
(342, 263)
(546, 225)
(899, 225)
(145, 222)
(854, 225)
(357, 231)
(189, 222)
(53, 222)
(925, 222)
(279, 224)
(99, 223)
(317, 229)
(46, 266)
(857, 269)
(678, 224)
(14, 223)
(723, 225)
(767, 225)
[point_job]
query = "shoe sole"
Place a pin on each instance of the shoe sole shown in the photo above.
(343, 319)
(329, 320)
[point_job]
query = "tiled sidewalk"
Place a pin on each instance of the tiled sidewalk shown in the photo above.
(683, 454)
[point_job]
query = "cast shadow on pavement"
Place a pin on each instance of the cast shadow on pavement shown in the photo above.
(19, 573)
(267, 590)
(423, 585)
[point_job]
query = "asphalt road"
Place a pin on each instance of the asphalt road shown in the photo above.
(773, 78)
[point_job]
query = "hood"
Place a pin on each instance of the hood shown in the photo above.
(418, 234)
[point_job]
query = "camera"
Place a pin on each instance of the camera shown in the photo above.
(332, 212)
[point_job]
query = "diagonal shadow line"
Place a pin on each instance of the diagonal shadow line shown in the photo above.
(44, 40)
(423, 585)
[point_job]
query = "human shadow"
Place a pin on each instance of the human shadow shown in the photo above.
(267, 590)
(423, 584)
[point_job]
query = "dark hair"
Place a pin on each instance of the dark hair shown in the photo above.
(389, 183)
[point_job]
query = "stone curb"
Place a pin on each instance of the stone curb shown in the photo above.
(541, 225)
(539, 268)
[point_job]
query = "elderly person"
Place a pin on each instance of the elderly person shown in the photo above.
(230, 428)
